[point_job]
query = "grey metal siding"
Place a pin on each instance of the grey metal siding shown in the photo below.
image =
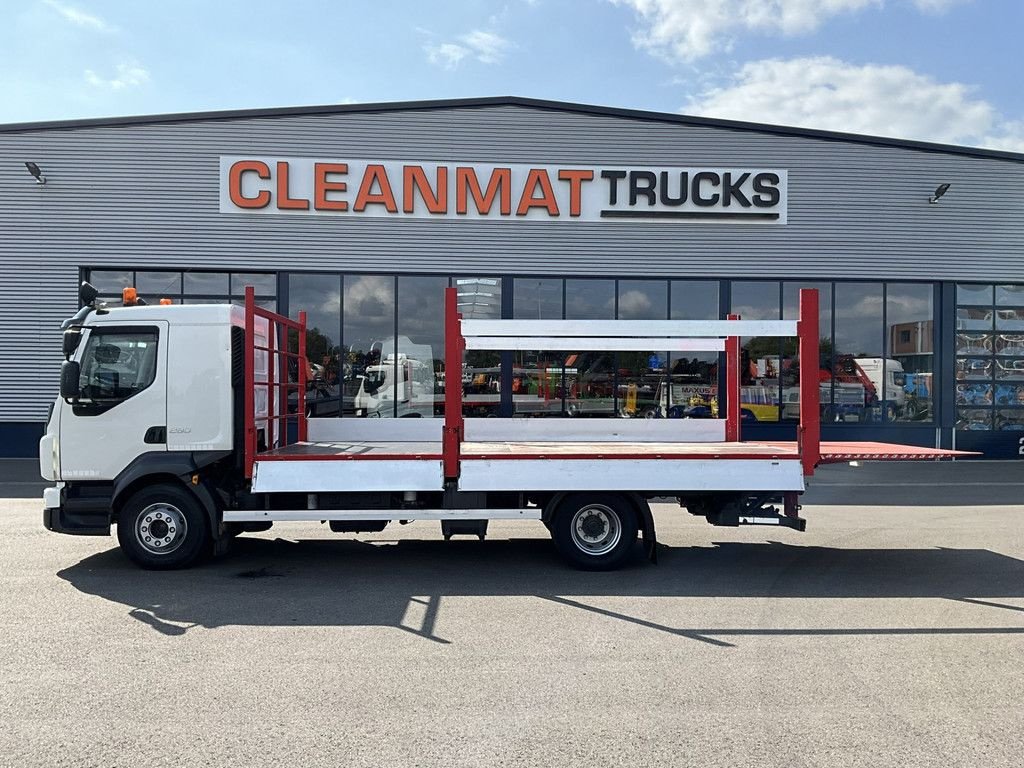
(146, 195)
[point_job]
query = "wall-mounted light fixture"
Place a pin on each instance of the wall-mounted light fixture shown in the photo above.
(939, 192)
(36, 172)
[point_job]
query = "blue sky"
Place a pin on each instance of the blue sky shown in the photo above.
(934, 70)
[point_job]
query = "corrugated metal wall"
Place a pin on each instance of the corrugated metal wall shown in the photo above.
(147, 196)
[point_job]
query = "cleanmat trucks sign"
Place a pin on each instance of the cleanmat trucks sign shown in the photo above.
(432, 190)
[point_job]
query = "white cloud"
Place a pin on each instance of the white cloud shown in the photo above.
(447, 55)
(485, 47)
(687, 30)
(830, 94)
(937, 6)
(129, 75)
(78, 17)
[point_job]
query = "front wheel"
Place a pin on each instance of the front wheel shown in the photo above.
(595, 533)
(162, 527)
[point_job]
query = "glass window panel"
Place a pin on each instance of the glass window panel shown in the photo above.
(695, 300)
(206, 282)
(158, 283)
(974, 319)
(974, 343)
(1009, 394)
(590, 299)
(537, 299)
(590, 376)
(1010, 295)
(1009, 344)
(909, 366)
(420, 365)
(974, 294)
(973, 419)
(264, 283)
(1008, 369)
(109, 281)
(760, 378)
(537, 380)
(968, 368)
(975, 394)
(692, 390)
(1010, 419)
(194, 300)
(1008, 319)
(480, 298)
(320, 297)
(859, 343)
(117, 365)
(368, 327)
(641, 375)
(791, 363)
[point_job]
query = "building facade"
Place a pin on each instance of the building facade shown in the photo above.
(363, 214)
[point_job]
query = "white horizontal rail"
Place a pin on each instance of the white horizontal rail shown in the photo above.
(602, 343)
(590, 431)
(316, 515)
(629, 328)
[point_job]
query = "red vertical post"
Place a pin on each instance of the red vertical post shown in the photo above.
(272, 399)
(250, 395)
(809, 435)
(732, 386)
(453, 422)
(303, 373)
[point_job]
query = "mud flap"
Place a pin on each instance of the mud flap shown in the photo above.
(647, 533)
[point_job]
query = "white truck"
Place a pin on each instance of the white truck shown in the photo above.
(185, 425)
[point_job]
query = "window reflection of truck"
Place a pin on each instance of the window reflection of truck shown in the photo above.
(407, 378)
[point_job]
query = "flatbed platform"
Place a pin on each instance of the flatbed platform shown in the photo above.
(369, 450)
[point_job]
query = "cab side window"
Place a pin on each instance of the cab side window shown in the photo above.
(117, 364)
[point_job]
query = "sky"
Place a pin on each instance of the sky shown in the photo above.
(948, 71)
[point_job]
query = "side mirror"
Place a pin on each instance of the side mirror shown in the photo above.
(87, 293)
(70, 374)
(72, 338)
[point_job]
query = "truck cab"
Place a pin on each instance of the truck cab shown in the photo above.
(147, 393)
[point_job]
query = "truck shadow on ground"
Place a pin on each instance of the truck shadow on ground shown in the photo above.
(276, 582)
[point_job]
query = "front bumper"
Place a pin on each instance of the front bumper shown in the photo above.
(79, 516)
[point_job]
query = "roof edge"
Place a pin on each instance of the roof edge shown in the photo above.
(494, 101)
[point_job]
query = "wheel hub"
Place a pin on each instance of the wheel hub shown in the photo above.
(160, 528)
(596, 529)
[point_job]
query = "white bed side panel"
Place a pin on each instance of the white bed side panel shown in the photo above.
(596, 430)
(629, 328)
(347, 475)
(631, 475)
(377, 430)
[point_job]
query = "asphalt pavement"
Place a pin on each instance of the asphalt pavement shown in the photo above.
(891, 633)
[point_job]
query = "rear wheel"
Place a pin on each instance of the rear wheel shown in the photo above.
(162, 527)
(595, 533)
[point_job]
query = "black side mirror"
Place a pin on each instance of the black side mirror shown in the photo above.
(70, 374)
(72, 338)
(87, 293)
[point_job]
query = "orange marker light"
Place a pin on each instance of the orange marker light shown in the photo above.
(165, 302)
(129, 296)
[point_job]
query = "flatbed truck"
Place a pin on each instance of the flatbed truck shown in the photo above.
(186, 425)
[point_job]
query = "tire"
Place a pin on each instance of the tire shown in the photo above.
(163, 527)
(595, 532)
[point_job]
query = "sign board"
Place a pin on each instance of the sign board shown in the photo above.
(483, 191)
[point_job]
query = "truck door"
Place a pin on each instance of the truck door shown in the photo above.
(122, 408)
